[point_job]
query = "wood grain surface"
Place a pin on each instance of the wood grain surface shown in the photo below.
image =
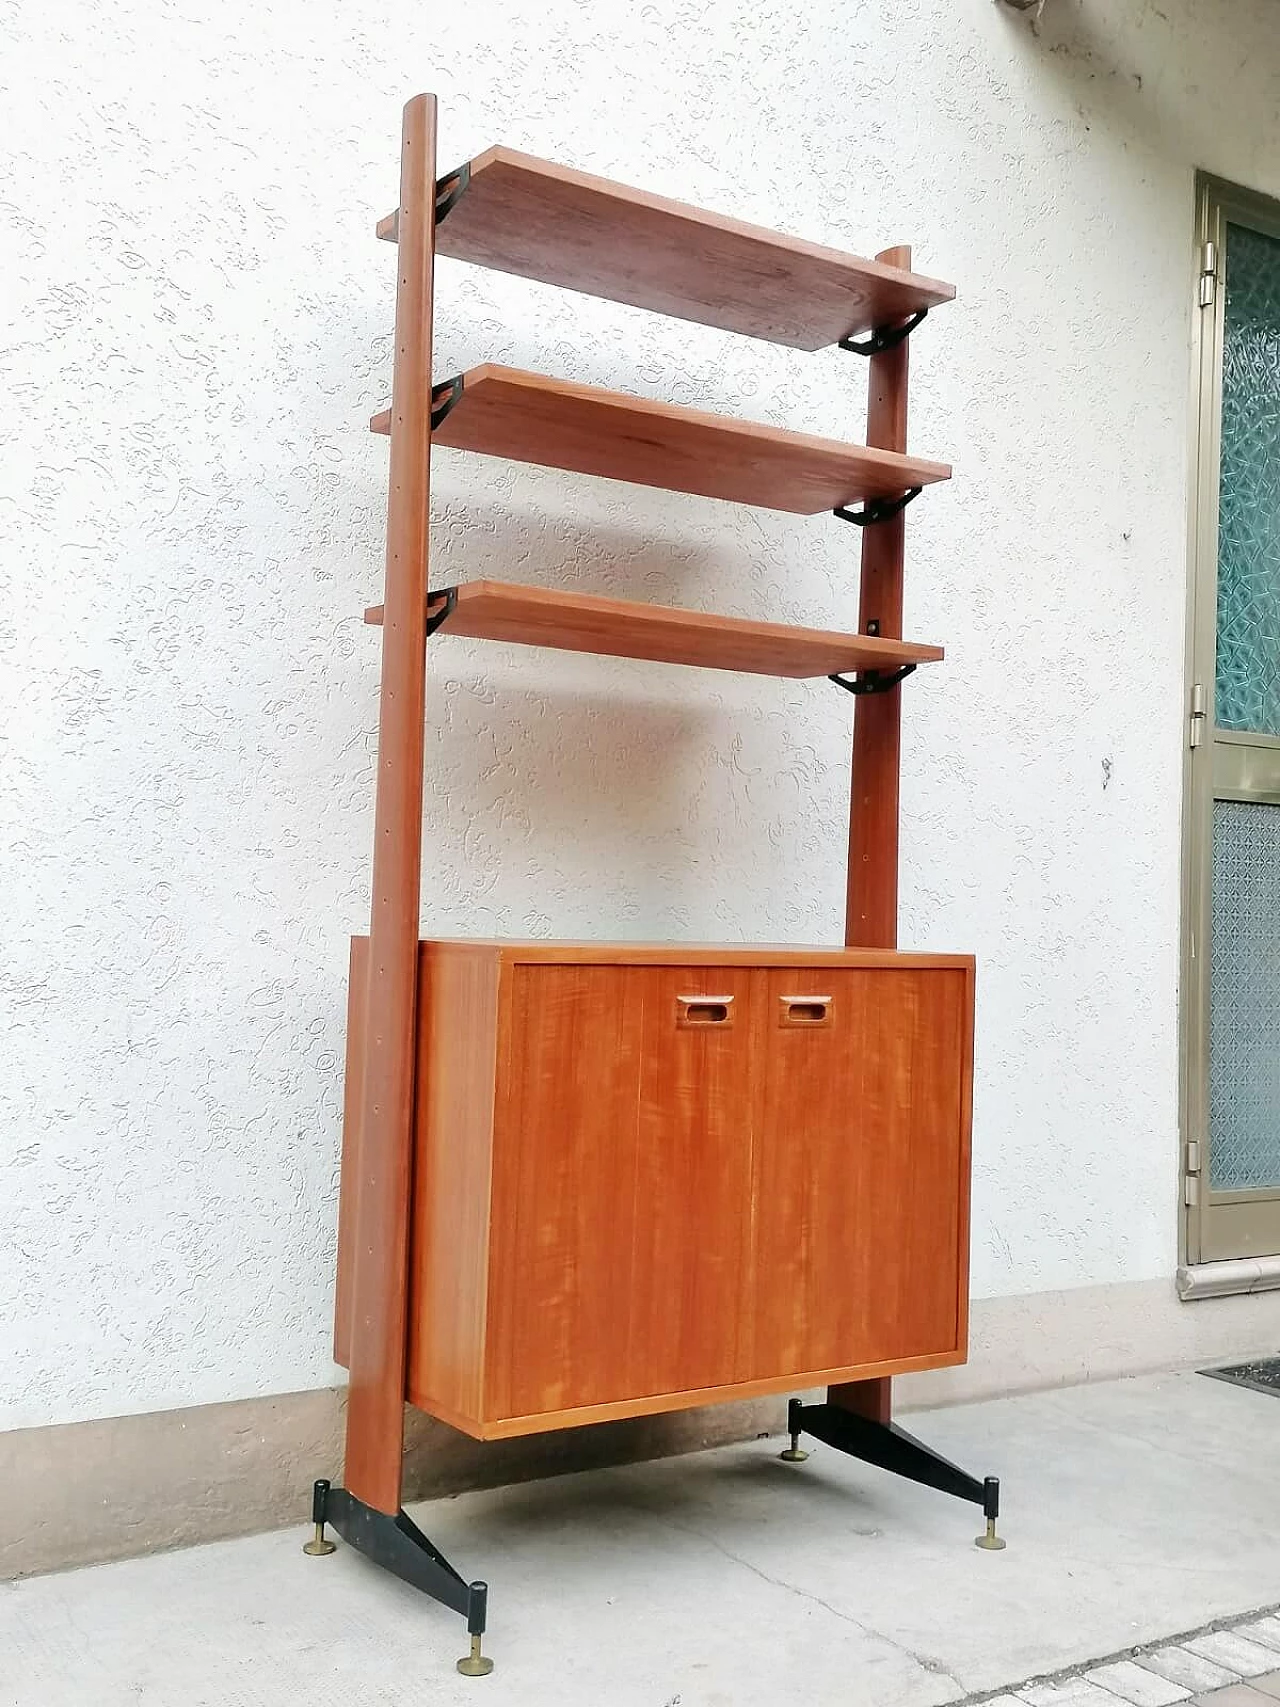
(619, 1130)
(556, 424)
(621, 628)
(515, 951)
(616, 1206)
(564, 227)
(380, 1252)
(871, 903)
(449, 1260)
(871, 913)
(541, 1422)
(348, 1179)
(858, 1163)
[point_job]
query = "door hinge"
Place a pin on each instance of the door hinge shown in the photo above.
(1199, 712)
(1208, 274)
(1191, 1180)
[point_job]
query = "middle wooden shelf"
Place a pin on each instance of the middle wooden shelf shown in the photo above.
(501, 411)
(619, 628)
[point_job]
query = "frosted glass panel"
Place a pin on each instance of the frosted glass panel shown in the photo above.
(1248, 675)
(1244, 998)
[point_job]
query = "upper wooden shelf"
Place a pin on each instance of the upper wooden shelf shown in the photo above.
(500, 411)
(617, 628)
(520, 215)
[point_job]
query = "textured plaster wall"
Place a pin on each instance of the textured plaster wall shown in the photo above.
(197, 326)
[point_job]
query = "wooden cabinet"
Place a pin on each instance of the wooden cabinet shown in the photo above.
(645, 1175)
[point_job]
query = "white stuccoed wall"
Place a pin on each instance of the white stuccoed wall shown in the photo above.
(191, 512)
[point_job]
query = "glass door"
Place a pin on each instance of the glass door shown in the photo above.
(1232, 936)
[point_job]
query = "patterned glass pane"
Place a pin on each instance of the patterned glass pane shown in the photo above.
(1248, 676)
(1244, 998)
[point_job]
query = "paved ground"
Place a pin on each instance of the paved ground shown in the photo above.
(1136, 1512)
(1236, 1664)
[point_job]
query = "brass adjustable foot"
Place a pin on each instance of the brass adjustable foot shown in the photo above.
(794, 1454)
(475, 1664)
(318, 1547)
(989, 1541)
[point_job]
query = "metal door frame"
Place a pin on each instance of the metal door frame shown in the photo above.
(1218, 765)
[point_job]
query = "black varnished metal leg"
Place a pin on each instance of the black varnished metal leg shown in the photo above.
(795, 1453)
(476, 1664)
(892, 1448)
(989, 1541)
(399, 1546)
(317, 1547)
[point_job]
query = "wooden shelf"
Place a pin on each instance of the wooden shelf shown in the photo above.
(541, 221)
(578, 622)
(503, 412)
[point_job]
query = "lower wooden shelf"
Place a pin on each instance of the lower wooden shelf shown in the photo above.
(580, 622)
(652, 1176)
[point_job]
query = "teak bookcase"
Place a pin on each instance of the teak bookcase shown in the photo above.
(595, 1180)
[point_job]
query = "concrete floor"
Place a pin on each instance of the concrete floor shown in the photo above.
(1135, 1511)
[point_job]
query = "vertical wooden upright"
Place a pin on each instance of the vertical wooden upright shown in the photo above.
(871, 906)
(380, 1261)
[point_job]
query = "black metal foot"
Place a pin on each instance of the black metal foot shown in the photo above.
(892, 1448)
(475, 1664)
(399, 1546)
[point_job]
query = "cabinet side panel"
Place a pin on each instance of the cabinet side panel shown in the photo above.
(348, 1179)
(858, 1160)
(934, 1186)
(964, 1184)
(449, 1252)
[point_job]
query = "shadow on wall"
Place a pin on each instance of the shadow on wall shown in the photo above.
(543, 791)
(572, 532)
(540, 796)
(1172, 72)
(554, 775)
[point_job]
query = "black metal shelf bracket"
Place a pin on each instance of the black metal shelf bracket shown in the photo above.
(884, 337)
(443, 398)
(437, 618)
(399, 1546)
(874, 510)
(891, 1448)
(450, 189)
(873, 681)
